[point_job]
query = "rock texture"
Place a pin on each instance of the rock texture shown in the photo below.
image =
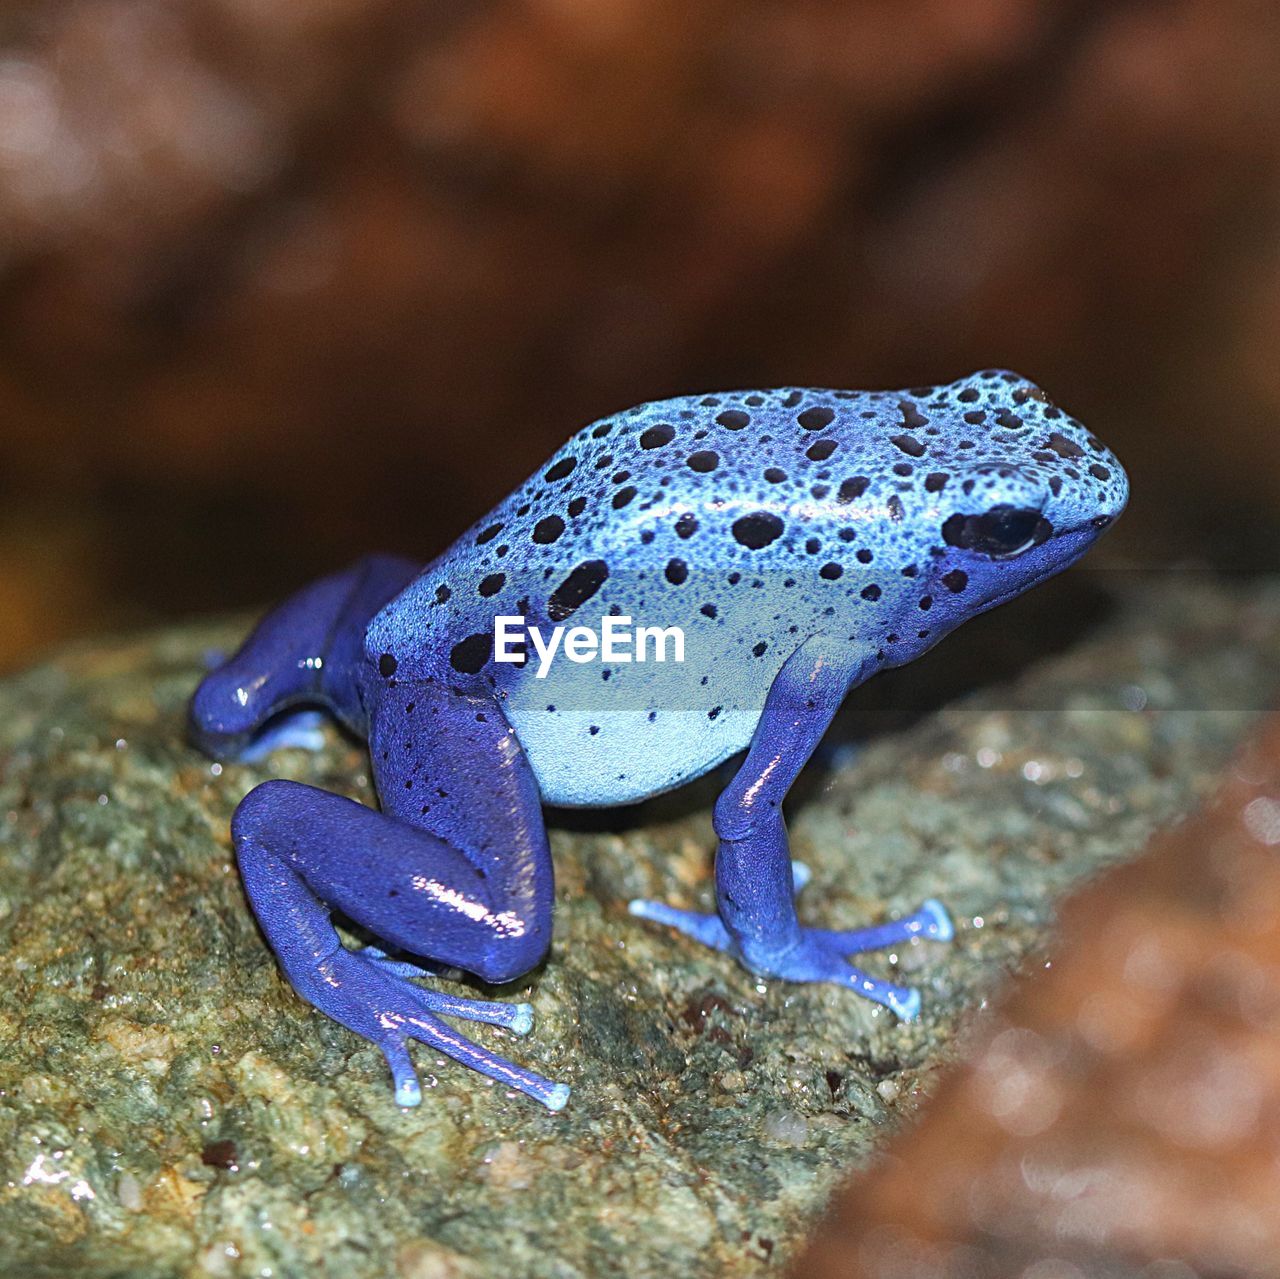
(168, 1106)
(1120, 1117)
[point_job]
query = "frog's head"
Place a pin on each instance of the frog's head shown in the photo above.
(1017, 490)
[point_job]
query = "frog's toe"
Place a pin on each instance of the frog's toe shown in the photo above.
(557, 1097)
(403, 1075)
(814, 960)
(939, 926)
(522, 1023)
(707, 929)
(403, 968)
(930, 923)
(907, 1007)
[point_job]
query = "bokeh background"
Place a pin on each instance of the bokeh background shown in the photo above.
(282, 281)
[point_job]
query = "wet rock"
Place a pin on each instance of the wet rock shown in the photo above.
(1119, 1117)
(168, 1104)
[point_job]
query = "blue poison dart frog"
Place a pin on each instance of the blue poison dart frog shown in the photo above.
(799, 540)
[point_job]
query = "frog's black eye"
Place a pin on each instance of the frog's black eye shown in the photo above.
(1002, 532)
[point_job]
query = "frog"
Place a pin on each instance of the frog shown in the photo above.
(799, 540)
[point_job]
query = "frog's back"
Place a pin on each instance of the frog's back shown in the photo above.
(751, 520)
(637, 510)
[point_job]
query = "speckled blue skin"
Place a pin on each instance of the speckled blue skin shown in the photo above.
(803, 539)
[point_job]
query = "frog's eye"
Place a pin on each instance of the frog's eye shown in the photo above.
(1002, 532)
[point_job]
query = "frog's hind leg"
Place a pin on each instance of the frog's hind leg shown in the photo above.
(307, 652)
(455, 868)
(756, 881)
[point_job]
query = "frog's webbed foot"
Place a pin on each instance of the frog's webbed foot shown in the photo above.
(390, 1011)
(517, 1018)
(819, 954)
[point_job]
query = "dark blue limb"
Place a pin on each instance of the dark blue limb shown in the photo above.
(473, 894)
(308, 651)
(756, 880)
(355, 990)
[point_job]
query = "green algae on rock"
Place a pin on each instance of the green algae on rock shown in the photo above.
(168, 1105)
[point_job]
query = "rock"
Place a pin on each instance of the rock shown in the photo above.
(167, 1104)
(1119, 1117)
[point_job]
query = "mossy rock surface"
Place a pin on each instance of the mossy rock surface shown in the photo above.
(168, 1106)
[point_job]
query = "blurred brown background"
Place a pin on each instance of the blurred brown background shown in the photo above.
(286, 280)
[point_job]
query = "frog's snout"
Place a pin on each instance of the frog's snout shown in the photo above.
(1118, 493)
(1092, 494)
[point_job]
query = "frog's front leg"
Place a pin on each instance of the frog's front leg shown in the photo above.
(455, 868)
(755, 877)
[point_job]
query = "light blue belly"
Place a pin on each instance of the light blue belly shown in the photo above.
(651, 734)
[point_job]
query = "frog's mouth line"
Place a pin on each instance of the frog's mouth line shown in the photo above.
(1051, 570)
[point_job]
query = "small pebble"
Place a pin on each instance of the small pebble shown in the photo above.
(786, 1127)
(129, 1192)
